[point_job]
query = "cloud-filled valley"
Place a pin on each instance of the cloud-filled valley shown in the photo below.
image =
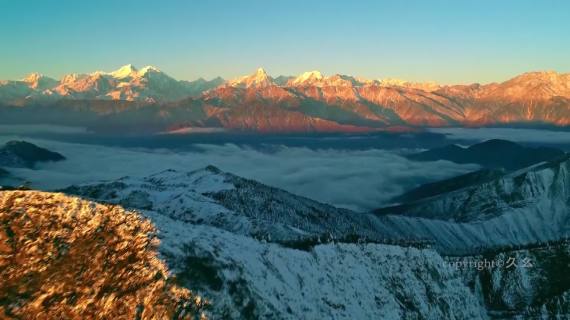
(360, 180)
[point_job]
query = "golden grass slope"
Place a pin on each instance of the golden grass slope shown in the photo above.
(66, 258)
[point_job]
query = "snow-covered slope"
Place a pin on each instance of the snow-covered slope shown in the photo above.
(531, 283)
(541, 189)
(210, 196)
(527, 206)
(245, 278)
(246, 207)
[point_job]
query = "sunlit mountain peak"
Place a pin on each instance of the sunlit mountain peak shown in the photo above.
(124, 71)
(309, 77)
(259, 79)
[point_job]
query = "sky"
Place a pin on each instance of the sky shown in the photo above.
(444, 41)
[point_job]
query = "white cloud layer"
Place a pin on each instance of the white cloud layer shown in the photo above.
(360, 180)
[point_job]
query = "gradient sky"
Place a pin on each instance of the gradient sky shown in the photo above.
(446, 41)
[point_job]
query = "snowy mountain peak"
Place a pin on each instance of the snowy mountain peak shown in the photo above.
(259, 79)
(72, 77)
(261, 72)
(315, 74)
(261, 76)
(307, 78)
(124, 71)
(342, 80)
(393, 82)
(32, 77)
(148, 84)
(315, 78)
(537, 85)
(39, 81)
(213, 169)
(148, 69)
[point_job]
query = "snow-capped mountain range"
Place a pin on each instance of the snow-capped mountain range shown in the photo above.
(126, 83)
(258, 102)
(151, 84)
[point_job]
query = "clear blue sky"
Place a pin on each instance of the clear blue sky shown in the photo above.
(446, 41)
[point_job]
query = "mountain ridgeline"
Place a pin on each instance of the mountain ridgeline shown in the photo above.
(22, 154)
(26, 155)
(149, 100)
(491, 154)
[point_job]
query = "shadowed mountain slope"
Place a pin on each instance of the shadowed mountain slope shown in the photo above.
(493, 153)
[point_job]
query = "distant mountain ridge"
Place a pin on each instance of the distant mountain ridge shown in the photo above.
(126, 83)
(307, 103)
(448, 185)
(25, 154)
(539, 191)
(494, 153)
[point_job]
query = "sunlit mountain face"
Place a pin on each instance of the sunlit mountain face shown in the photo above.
(126, 83)
(310, 102)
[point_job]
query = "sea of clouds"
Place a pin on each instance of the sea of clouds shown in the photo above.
(356, 179)
(360, 180)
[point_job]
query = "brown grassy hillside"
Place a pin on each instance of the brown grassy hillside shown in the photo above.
(66, 258)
